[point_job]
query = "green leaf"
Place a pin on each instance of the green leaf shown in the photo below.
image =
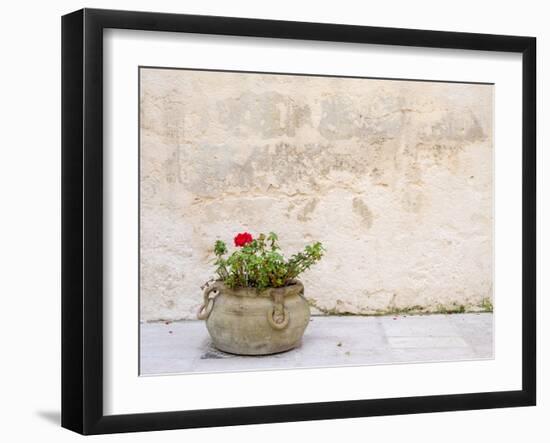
(255, 266)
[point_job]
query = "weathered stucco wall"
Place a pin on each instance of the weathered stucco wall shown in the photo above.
(394, 177)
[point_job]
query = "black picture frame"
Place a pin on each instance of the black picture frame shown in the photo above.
(82, 220)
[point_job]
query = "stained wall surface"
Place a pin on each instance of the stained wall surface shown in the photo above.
(395, 178)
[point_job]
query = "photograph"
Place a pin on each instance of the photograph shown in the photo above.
(275, 222)
(295, 220)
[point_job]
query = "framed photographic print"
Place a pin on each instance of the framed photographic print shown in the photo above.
(269, 221)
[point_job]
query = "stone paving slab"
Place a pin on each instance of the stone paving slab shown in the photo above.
(184, 346)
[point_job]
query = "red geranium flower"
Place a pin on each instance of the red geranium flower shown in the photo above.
(242, 239)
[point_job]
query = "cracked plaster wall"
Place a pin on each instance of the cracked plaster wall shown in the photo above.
(394, 177)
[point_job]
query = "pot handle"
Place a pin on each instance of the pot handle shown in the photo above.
(280, 321)
(208, 302)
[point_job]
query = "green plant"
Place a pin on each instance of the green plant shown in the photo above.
(487, 305)
(259, 263)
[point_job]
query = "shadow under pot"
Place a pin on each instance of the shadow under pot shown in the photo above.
(247, 321)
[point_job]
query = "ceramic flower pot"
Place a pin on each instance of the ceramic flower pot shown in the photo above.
(250, 322)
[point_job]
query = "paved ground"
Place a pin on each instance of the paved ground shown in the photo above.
(184, 346)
